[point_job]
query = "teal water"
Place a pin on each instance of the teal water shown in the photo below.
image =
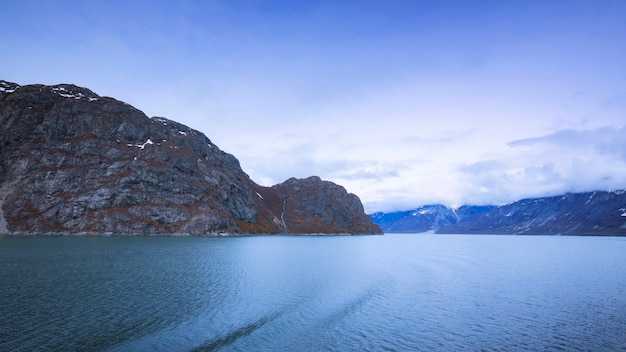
(376, 293)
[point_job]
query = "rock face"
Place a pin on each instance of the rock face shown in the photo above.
(311, 202)
(74, 162)
(590, 213)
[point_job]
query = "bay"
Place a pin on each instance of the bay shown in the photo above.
(409, 292)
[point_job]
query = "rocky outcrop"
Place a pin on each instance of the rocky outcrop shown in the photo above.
(74, 162)
(311, 205)
(590, 213)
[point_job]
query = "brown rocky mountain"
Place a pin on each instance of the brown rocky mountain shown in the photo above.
(74, 162)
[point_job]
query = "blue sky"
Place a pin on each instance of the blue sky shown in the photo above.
(402, 102)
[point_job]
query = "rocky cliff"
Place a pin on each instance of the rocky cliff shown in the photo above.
(590, 213)
(75, 162)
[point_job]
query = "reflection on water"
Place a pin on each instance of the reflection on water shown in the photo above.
(393, 292)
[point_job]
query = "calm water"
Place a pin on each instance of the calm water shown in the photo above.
(378, 293)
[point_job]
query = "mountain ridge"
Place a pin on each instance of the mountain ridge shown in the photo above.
(584, 213)
(73, 162)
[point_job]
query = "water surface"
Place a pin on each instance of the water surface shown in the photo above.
(379, 293)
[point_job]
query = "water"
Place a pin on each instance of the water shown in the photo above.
(375, 293)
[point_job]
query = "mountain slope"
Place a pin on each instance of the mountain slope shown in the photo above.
(425, 218)
(422, 219)
(590, 213)
(74, 162)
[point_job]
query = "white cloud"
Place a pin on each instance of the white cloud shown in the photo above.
(560, 162)
(606, 141)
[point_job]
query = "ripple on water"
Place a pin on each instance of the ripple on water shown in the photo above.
(399, 293)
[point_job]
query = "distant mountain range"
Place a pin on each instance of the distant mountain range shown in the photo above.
(73, 162)
(589, 213)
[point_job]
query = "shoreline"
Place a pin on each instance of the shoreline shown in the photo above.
(178, 234)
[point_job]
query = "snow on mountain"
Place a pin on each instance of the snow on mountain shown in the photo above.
(590, 213)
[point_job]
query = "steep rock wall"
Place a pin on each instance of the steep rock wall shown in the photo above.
(74, 162)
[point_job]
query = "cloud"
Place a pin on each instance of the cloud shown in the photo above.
(605, 141)
(563, 161)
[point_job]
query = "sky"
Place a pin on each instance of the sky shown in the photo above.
(404, 103)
